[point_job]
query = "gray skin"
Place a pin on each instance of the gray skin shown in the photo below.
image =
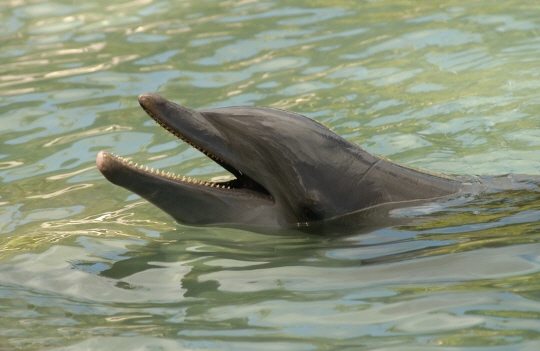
(290, 170)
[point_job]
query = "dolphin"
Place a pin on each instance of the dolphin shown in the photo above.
(289, 170)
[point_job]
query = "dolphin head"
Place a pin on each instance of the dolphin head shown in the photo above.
(288, 169)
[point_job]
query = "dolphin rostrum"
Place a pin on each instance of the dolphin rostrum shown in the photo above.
(290, 170)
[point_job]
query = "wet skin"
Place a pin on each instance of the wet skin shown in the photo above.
(290, 170)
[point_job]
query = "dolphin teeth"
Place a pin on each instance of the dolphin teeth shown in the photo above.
(130, 163)
(146, 168)
(184, 178)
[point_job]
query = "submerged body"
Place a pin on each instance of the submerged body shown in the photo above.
(290, 170)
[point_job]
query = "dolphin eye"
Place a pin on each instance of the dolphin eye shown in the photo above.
(311, 214)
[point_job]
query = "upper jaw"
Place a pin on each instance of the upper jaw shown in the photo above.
(189, 126)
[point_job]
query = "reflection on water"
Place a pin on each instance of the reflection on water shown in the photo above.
(449, 87)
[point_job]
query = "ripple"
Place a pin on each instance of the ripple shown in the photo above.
(302, 16)
(55, 27)
(146, 38)
(45, 9)
(421, 39)
(462, 61)
(504, 22)
(390, 144)
(425, 88)
(60, 192)
(68, 282)
(479, 264)
(273, 40)
(303, 88)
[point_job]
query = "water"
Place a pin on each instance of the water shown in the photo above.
(443, 86)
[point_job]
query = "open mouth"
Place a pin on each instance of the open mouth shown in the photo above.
(241, 181)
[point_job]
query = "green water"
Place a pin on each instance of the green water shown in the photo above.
(446, 86)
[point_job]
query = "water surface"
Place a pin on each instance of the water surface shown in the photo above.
(448, 87)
